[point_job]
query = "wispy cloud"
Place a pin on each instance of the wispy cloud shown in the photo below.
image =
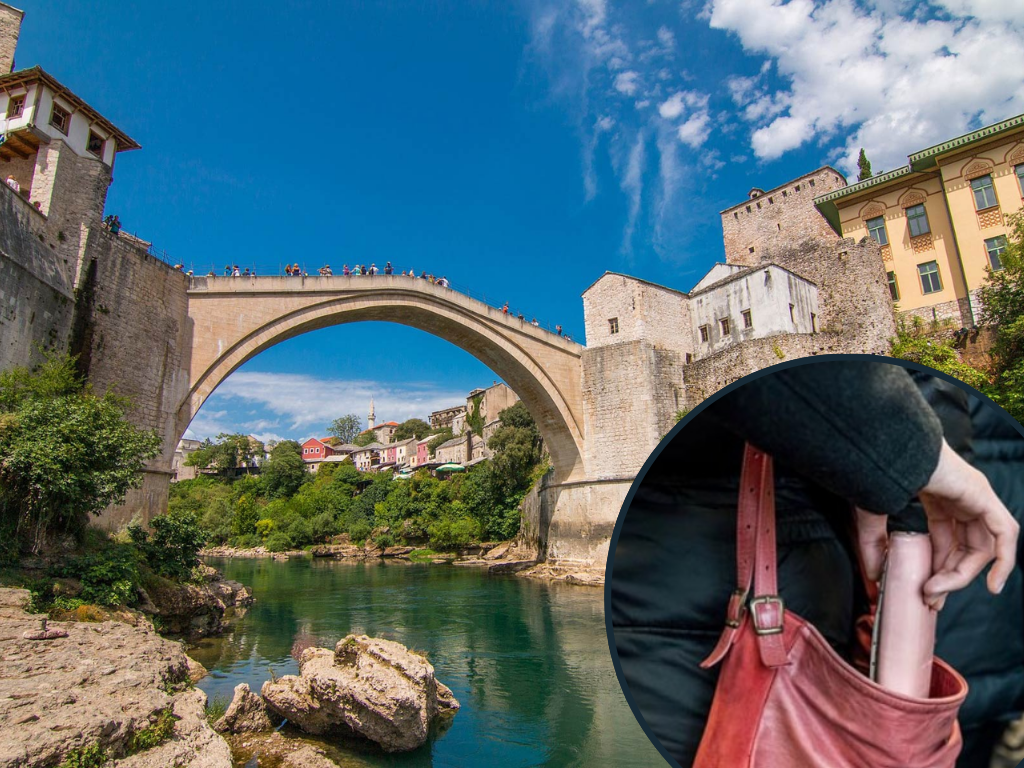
(611, 75)
(300, 405)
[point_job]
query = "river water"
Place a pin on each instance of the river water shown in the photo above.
(527, 660)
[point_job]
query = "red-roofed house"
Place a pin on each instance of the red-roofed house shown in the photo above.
(314, 451)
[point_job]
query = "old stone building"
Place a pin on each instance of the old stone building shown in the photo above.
(789, 287)
(941, 220)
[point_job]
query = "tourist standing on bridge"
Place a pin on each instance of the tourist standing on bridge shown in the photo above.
(558, 330)
(504, 309)
(345, 270)
(534, 323)
(373, 269)
(235, 271)
(388, 269)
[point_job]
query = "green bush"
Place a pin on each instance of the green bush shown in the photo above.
(109, 576)
(246, 542)
(172, 550)
(359, 531)
(453, 534)
(279, 541)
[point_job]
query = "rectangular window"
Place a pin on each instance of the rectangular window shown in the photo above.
(724, 322)
(791, 318)
(814, 323)
(917, 219)
(770, 201)
(984, 192)
(15, 106)
(60, 118)
(811, 182)
(748, 320)
(929, 272)
(1020, 177)
(751, 249)
(95, 144)
(876, 228)
(613, 325)
(894, 289)
(689, 358)
(797, 188)
(995, 247)
(704, 334)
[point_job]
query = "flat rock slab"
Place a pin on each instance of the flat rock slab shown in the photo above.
(192, 745)
(100, 684)
(376, 688)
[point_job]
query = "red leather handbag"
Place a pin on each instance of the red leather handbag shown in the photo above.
(786, 699)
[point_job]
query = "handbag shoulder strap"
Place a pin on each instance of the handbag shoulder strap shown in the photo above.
(756, 565)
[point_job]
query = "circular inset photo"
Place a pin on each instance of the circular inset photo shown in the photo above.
(819, 566)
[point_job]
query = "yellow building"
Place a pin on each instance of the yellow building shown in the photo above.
(940, 220)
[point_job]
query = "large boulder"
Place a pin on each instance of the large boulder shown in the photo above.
(247, 713)
(377, 688)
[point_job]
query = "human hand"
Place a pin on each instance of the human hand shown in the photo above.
(969, 526)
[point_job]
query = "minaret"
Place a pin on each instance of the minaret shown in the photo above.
(370, 419)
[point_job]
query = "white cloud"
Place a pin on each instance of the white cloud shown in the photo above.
(891, 78)
(666, 38)
(626, 82)
(695, 131)
(672, 107)
(289, 409)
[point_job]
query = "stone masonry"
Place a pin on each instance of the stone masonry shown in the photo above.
(133, 335)
(778, 217)
(10, 28)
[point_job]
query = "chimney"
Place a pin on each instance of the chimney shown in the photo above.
(10, 27)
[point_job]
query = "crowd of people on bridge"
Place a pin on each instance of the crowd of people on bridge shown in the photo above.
(361, 270)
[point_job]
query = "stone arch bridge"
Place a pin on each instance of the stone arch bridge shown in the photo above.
(233, 319)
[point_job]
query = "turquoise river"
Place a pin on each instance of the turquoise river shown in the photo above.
(527, 660)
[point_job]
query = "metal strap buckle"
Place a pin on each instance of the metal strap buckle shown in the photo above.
(767, 621)
(737, 605)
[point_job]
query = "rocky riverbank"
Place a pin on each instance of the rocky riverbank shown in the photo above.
(503, 557)
(106, 689)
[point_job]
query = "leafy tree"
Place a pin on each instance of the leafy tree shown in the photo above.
(346, 427)
(516, 446)
(363, 438)
(443, 436)
(229, 452)
(417, 428)
(65, 453)
(284, 471)
(1002, 298)
(863, 166)
(247, 514)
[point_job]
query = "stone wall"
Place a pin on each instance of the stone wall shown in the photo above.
(707, 376)
(133, 334)
(853, 291)
(631, 392)
(36, 285)
(571, 523)
(10, 28)
(641, 310)
(756, 228)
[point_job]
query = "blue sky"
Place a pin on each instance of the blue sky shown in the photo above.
(521, 148)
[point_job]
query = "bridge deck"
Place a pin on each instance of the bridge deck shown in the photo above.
(340, 285)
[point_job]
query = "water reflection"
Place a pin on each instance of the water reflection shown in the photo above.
(527, 660)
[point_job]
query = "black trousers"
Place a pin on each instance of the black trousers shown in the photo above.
(672, 575)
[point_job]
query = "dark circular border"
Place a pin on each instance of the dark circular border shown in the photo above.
(609, 566)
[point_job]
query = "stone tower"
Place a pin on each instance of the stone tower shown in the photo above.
(371, 419)
(755, 230)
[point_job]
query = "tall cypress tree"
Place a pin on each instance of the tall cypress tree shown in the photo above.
(864, 165)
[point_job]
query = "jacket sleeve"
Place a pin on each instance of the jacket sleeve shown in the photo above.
(860, 429)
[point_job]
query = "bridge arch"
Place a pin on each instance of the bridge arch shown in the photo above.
(234, 319)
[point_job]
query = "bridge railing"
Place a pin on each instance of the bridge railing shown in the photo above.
(514, 311)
